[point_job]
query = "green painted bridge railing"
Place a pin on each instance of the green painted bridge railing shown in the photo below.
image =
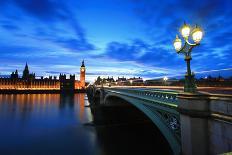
(165, 97)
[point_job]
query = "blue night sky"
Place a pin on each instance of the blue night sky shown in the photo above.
(114, 37)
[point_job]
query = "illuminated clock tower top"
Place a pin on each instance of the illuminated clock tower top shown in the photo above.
(82, 74)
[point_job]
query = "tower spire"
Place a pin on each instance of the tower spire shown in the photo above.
(26, 72)
(83, 63)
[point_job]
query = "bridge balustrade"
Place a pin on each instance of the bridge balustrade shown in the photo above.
(161, 96)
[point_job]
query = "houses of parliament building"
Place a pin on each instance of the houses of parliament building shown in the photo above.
(28, 81)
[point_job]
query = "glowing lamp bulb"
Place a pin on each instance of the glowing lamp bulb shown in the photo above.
(185, 30)
(197, 35)
(177, 43)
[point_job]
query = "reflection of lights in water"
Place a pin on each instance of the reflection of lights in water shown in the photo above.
(27, 103)
(30, 106)
(89, 116)
(82, 105)
(84, 113)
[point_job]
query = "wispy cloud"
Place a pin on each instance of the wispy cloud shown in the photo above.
(131, 38)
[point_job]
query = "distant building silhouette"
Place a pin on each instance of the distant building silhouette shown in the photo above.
(208, 81)
(202, 82)
(67, 85)
(29, 82)
(120, 81)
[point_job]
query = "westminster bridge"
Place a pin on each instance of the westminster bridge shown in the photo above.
(199, 123)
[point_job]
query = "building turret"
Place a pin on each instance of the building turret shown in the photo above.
(14, 75)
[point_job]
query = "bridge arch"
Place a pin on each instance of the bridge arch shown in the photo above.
(152, 115)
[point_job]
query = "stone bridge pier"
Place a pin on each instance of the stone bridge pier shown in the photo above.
(206, 123)
(95, 95)
(192, 124)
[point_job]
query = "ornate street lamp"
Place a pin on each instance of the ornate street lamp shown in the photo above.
(186, 49)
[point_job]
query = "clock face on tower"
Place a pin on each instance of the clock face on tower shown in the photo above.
(82, 69)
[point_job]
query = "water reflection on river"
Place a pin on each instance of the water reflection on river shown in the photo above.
(53, 124)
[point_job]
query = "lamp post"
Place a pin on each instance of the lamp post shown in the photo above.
(186, 49)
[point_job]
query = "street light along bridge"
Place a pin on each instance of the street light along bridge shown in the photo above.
(185, 119)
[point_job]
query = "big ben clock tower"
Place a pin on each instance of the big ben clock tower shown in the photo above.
(82, 74)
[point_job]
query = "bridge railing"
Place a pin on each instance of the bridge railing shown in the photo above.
(161, 96)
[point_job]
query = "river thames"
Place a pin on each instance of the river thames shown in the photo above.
(46, 124)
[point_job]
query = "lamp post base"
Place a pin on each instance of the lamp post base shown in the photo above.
(189, 85)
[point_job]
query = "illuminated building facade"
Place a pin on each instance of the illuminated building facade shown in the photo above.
(28, 81)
